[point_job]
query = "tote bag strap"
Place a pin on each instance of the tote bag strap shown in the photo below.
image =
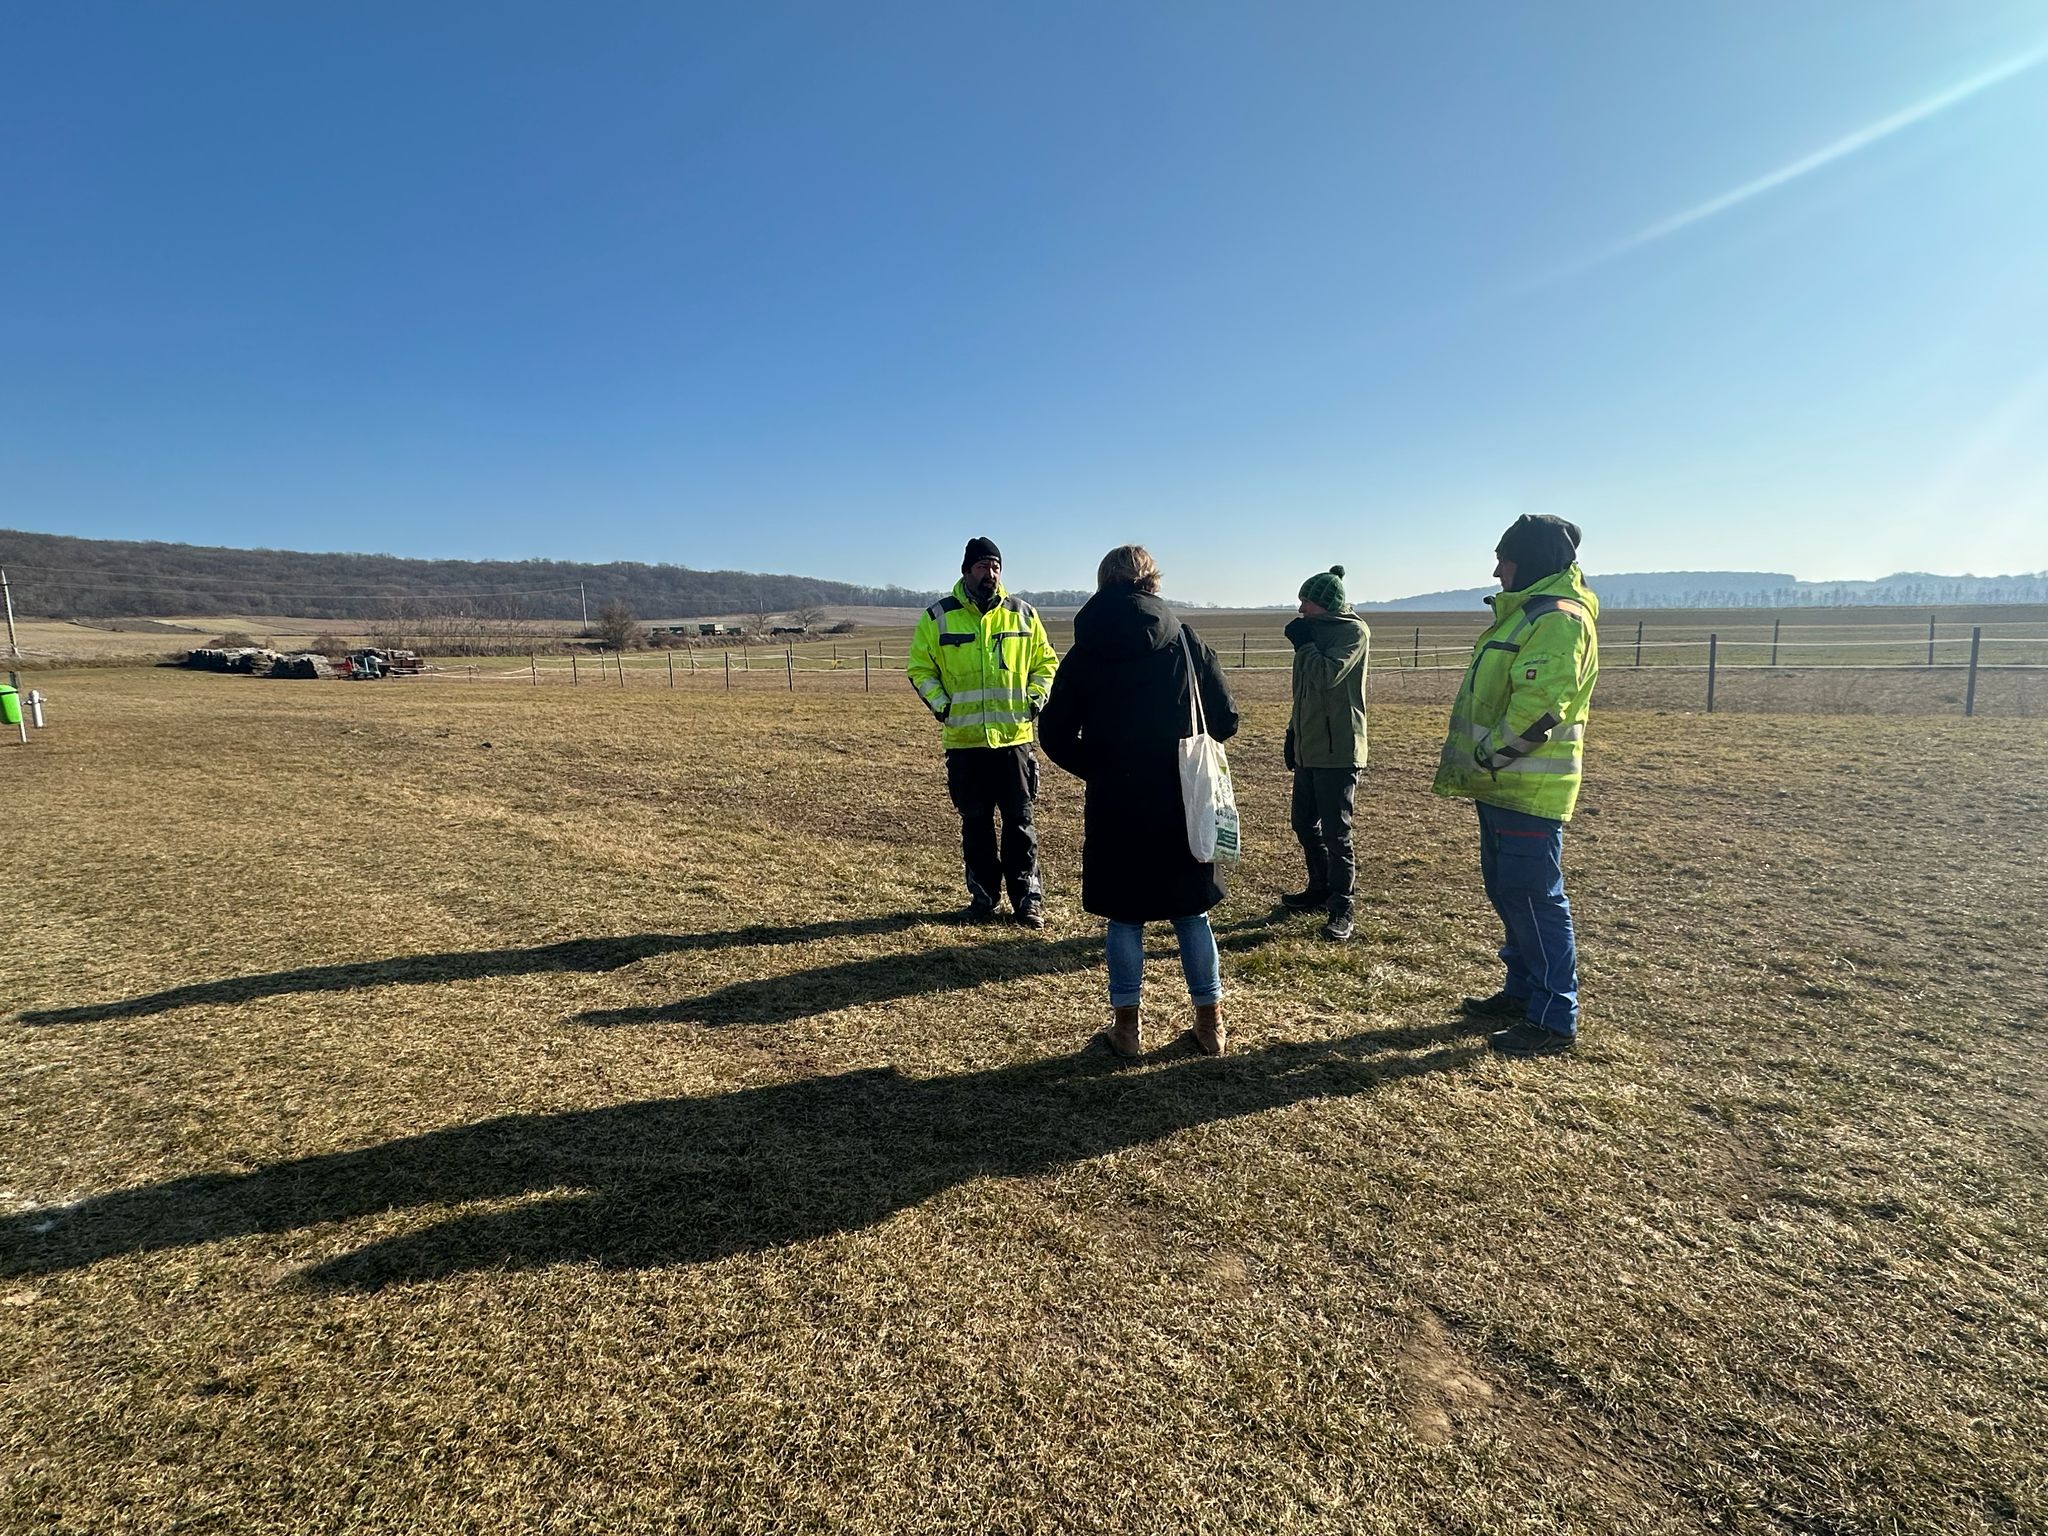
(1197, 720)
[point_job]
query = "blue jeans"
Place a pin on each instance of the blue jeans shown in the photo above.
(1198, 961)
(1521, 859)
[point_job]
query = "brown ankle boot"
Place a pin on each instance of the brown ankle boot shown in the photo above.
(1210, 1036)
(1125, 1036)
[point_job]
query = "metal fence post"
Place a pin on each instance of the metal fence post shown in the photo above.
(671, 669)
(1244, 642)
(1713, 648)
(863, 670)
(1970, 693)
(728, 671)
(620, 662)
(533, 666)
(1639, 642)
(789, 665)
(1774, 640)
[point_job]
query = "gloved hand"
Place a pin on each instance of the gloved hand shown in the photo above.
(1298, 631)
(1287, 750)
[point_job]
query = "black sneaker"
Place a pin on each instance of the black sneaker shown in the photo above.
(1337, 930)
(976, 912)
(1502, 1005)
(1032, 915)
(1309, 900)
(1530, 1040)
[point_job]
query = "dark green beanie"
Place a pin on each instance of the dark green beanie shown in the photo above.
(1326, 588)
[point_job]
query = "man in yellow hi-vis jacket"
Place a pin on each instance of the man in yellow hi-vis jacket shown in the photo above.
(1516, 744)
(983, 666)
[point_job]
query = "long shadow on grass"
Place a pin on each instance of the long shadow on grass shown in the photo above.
(685, 1181)
(885, 978)
(468, 964)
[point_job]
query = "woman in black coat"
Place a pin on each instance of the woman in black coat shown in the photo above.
(1120, 705)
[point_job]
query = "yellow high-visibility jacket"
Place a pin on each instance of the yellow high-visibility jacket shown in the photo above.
(1518, 726)
(985, 675)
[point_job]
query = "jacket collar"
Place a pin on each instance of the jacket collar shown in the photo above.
(1568, 582)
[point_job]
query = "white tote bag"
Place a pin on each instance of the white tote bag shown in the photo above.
(1205, 791)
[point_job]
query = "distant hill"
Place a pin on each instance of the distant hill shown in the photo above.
(1764, 589)
(58, 577)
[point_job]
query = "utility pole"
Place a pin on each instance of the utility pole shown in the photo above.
(8, 592)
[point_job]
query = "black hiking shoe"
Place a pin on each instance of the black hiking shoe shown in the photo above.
(975, 912)
(1530, 1040)
(1031, 915)
(1502, 1005)
(1337, 930)
(1309, 900)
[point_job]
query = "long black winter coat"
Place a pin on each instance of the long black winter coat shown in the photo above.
(1118, 708)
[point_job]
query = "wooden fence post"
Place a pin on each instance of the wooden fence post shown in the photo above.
(1930, 639)
(1713, 648)
(1970, 693)
(574, 680)
(533, 666)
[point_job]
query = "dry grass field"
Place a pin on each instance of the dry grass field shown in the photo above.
(507, 1109)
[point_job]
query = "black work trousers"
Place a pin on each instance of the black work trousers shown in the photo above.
(1321, 814)
(986, 782)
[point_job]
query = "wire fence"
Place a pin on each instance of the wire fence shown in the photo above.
(1709, 657)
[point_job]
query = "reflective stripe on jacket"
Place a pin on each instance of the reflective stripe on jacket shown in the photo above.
(986, 675)
(1518, 727)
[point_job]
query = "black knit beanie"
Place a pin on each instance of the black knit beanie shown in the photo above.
(1540, 546)
(980, 549)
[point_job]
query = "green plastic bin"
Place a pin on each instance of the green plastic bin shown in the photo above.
(10, 706)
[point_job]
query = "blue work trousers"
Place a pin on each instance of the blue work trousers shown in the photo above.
(1199, 962)
(1521, 859)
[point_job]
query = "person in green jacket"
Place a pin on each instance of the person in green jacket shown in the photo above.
(1516, 746)
(1325, 745)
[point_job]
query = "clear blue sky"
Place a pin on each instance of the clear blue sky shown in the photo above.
(828, 288)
